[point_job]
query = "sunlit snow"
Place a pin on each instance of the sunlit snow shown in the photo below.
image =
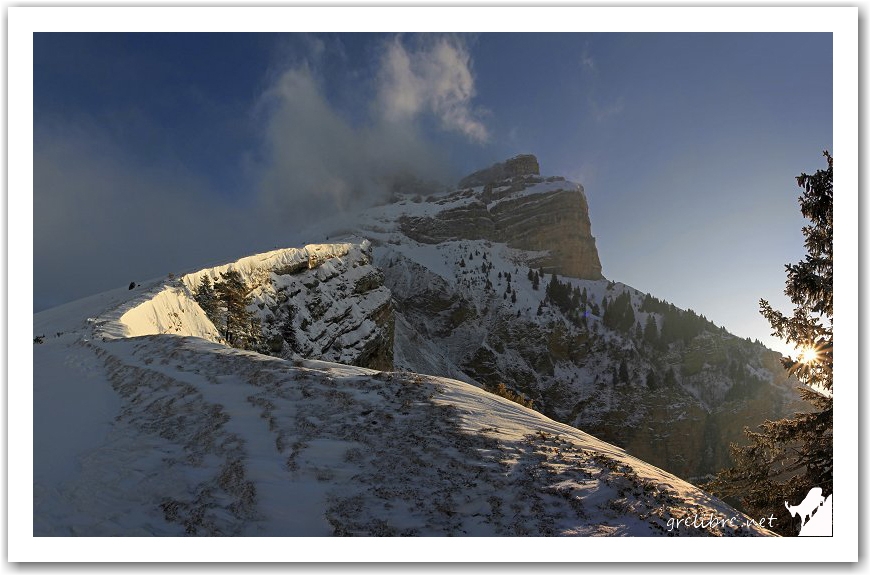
(146, 425)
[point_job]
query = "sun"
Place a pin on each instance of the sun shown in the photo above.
(807, 354)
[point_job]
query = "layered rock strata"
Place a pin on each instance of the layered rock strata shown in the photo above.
(525, 212)
(523, 164)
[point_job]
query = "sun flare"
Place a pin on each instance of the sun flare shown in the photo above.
(807, 354)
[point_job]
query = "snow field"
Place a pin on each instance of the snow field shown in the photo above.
(185, 436)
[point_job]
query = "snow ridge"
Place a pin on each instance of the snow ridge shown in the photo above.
(167, 307)
(174, 434)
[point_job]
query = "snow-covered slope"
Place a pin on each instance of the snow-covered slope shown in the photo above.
(146, 424)
(472, 277)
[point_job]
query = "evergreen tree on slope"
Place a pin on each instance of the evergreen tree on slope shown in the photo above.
(206, 297)
(241, 328)
(788, 457)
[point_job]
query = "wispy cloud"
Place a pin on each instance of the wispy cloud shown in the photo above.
(600, 110)
(317, 162)
(435, 78)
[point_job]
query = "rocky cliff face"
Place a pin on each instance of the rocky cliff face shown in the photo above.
(323, 301)
(549, 216)
(501, 283)
(521, 165)
(556, 222)
(336, 310)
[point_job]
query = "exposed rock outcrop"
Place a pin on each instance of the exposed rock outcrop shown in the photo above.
(527, 213)
(556, 222)
(323, 301)
(336, 309)
(517, 166)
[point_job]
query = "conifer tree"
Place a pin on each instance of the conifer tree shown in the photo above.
(623, 372)
(788, 457)
(628, 317)
(670, 377)
(650, 330)
(206, 297)
(652, 380)
(240, 327)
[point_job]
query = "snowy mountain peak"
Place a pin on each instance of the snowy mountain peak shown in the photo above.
(521, 165)
(545, 217)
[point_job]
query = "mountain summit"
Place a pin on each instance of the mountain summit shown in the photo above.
(510, 203)
(522, 165)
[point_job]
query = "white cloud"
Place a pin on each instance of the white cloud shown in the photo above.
(434, 79)
(316, 162)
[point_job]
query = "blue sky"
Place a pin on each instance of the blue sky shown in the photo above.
(161, 152)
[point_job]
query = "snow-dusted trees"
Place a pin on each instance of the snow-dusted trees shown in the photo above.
(565, 297)
(788, 457)
(623, 372)
(619, 314)
(652, 379)
(226, 304)
(651, 330)
(207, 299)
(535, 278)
